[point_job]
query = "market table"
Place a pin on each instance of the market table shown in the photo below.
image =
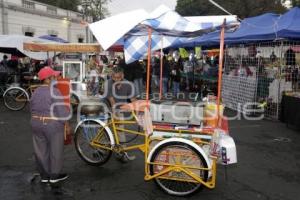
(290, 111)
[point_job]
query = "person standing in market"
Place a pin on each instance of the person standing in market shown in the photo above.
(137, 77)
(165, 75)
(48, 117)
(175, 77)
(3, 71)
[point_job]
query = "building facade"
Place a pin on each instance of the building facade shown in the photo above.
(31, 18)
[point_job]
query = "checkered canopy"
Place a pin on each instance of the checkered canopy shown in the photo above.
(168, 29)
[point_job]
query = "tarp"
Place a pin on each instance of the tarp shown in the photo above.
(13, 44)
(110, 30)
(167, 25)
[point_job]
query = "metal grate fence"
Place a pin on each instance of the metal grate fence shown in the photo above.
(258, 75)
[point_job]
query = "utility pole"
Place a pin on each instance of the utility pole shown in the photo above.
(85, 4)
(69, 27)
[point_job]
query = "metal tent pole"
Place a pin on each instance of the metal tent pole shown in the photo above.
(148, 64)
(220, 71)
(161, 68)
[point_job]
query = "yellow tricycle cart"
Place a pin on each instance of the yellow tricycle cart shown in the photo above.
(180, 160)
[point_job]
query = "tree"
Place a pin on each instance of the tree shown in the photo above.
(295, 3)
(65, 4)
(68, 4)
(96, 9)
(241, 8)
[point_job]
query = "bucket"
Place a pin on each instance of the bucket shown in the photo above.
(210, 114)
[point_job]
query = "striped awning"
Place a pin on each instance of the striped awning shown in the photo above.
(67, 48)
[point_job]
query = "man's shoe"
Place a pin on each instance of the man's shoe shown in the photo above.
(59, 178)
(124, 157)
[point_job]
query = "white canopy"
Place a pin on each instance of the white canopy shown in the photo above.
(14, 44)
(108, 31)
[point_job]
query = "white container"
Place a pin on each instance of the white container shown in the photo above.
(189, 113)
(227, 150)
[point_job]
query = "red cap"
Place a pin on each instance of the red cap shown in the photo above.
(46, 72)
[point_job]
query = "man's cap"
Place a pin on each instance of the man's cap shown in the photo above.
(46, 72)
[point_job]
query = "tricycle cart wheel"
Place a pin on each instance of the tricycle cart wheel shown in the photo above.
(176, 182)
(87, 132)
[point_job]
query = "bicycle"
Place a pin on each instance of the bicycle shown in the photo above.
(16, 97)
(5, 81)
(179, 161)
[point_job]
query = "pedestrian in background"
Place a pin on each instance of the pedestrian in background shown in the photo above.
(137, 69)
(165, 75)
(175, 77)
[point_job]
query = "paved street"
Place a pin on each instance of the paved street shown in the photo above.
(268, 167)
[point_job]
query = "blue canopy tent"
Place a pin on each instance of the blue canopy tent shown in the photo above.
(251, 29)
(266, 27)
(53, 38)
(262, 27)
(289, 25)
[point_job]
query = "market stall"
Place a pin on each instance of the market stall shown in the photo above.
(13, 44)
(262, 62)
(73, 66)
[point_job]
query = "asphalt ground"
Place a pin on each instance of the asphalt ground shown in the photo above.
(268, 167)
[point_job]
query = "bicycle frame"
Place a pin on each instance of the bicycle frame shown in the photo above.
(114, 124)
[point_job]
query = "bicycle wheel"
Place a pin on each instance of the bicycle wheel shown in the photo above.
(15, 99)
(178, 183)
(83, 138)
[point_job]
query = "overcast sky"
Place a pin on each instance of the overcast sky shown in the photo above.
(119, 6)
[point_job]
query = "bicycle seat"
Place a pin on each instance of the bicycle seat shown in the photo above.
(91, 110)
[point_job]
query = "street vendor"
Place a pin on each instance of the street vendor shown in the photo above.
(48, 116)
(120, 91)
